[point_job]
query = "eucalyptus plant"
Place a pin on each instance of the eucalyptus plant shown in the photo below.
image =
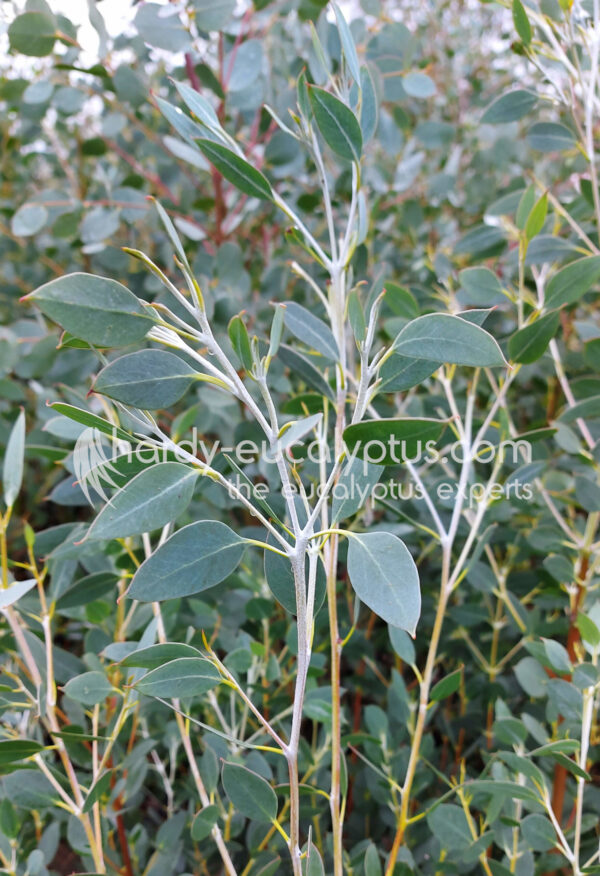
(324, 571)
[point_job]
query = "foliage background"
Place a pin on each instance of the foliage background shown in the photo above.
(83, 147)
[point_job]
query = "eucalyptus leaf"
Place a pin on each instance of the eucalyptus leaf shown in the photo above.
(530, 343)
(156, 655)
(155, 497)
(12, 466)
(96, 309)
(90, 689)
(15, 591)
(183, 677)
(391, 441)
(509, 107)
(29, 220)
(399, 373)
(237, 170)
(192, 560)
(33, 33)
(550, 137)
(147, 379)
(204, 822)
(347, 41)
(13, 750)
(310, 330)
(572, 282)
(384, 576)
(250, 794)
(337, 123)
(450, 339)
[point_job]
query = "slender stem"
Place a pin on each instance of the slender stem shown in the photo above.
(446, 586)
(4, 519)
(338, 295)
(303, 660)
(562, 378)
(590, 109)
(425, 687)
(586, 730)
(95, 775)
(184, 733)
(326, 196)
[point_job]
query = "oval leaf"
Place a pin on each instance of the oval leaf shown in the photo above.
(571, 282)
(90, 688)
(384, 576)
(509, 107)
(447, 686)
(204, 822)
(550, 137)
(153, 498)
(184, 677)
(449, 339)
(95, 309)
(251, 795)
(147, 379)
(192, 560)
(33, 34)
(310, 329)
(399, 373)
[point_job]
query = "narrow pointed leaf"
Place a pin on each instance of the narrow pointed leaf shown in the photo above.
(337, 123)
(280, 579)
(304, 368)
(572, 282)
(237, 170)
(587, 408)
(78, 415)
(537, 217)
(522, 25)
(529, 343)
(12, 750)
(157, 655)
(198, 105)
(238, 335)
(12, 469)
(447, 686)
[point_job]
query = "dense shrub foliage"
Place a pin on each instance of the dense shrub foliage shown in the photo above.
(300, 414)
